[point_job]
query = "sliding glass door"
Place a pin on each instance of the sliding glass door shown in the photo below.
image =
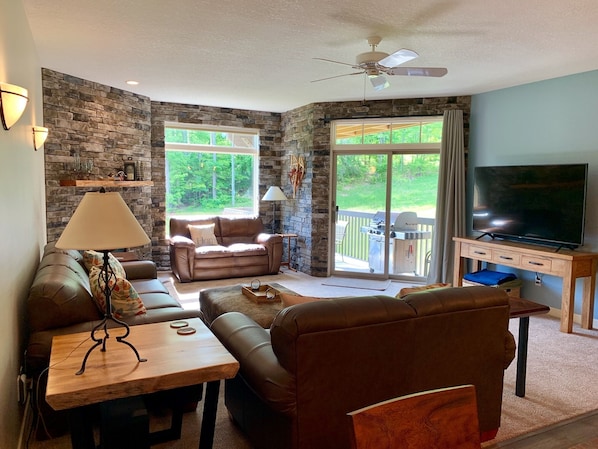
(385, 203)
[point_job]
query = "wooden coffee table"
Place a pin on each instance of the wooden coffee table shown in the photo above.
(523, 309)
(173, 361)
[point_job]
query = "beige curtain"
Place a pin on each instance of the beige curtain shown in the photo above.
(450, 204)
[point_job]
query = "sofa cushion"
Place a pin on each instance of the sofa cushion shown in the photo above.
(60, 294)
(96, 259)
(203, 235)
(124, 298)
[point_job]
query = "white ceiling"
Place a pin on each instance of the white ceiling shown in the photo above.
(258, 54)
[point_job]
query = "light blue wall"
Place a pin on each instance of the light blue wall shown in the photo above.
(553, 121)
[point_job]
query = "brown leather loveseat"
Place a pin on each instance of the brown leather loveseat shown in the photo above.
(222, 247)
(60, 302)
(321, 360)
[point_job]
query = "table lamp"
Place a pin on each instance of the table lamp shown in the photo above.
(103, 222)
(274, 194)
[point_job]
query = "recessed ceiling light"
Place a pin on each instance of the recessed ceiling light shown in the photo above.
(132, 82)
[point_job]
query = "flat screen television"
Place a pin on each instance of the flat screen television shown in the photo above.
(542, 204)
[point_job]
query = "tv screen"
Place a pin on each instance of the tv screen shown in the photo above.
(537, 203)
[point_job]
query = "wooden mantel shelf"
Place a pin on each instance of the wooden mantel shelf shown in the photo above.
(103, 183)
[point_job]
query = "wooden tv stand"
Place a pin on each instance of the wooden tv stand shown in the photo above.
(566, 264)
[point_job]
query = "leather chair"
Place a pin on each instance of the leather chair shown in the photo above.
(446, 418)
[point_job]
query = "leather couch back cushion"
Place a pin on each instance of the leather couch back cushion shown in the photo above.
(60, 294)
(325, 316)
(294, 323)
(179, 226)
(455, 299)
(239, 230)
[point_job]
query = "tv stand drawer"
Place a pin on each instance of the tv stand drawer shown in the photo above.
(478, 252)
(511, 259)
(536, 264)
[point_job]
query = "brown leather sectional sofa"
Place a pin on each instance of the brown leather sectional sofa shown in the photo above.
(321, 360)
(241, 249)
(60, 302)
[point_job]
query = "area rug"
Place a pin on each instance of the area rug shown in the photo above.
(560, 379)
(364, 284)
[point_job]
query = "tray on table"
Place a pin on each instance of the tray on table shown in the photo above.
(259, 295)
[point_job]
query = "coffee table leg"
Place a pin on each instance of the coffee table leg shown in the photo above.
(522, 356)
(208, 422)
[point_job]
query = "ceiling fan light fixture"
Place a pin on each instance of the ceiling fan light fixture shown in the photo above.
(379, 82)
(370, 57)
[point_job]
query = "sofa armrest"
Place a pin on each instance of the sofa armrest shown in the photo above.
(182, 256)
(249, 343)
(140, 269)
(510, 348)
(273, 243)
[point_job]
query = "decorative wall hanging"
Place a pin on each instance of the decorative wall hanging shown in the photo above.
(296, 172)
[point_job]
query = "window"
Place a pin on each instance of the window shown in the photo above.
(210, 170)
(388, 132)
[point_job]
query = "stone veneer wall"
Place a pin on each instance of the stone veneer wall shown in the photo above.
(110, 125)
(98, 123)
(306, 131)
(269, 159)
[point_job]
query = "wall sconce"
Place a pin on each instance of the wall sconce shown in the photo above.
(40, 134)
(13, 100)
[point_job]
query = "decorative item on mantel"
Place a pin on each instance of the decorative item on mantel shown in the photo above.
(297, 172)
(130, 169)
(79, 168)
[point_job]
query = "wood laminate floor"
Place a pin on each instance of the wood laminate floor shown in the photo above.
(578, 433)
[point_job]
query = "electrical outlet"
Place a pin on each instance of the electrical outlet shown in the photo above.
(538, 280)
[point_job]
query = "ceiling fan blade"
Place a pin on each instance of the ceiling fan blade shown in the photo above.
(336, 76)
(379, 82)
(418, 71)
(335, 62)
(398, 57)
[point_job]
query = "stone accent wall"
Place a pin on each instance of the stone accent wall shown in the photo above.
(95, 123)
(110, 125)
(306, 131)
(269, 157)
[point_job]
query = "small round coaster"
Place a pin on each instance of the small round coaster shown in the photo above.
(178, 324)
(186, 331)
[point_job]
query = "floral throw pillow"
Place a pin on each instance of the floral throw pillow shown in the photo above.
(96, 259)
(124, 298)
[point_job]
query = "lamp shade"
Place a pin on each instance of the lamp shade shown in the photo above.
(102, 221)
(274, 194)
(40, 134)
(13, 100)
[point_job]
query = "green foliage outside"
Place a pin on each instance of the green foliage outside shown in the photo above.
(204, 183)
(361, 182)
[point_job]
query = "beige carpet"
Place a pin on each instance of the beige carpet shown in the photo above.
(561, 378)
(561, 372)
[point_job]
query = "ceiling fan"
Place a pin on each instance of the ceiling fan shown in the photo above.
(377, 64)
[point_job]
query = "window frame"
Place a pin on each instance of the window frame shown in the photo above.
(210, 149)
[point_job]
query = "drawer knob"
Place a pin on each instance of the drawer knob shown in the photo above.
(506, 257)
(539, 264)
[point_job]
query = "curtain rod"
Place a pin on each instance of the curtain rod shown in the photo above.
(356, 117)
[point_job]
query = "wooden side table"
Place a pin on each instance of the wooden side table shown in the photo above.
(173, 361)
(287, 263)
